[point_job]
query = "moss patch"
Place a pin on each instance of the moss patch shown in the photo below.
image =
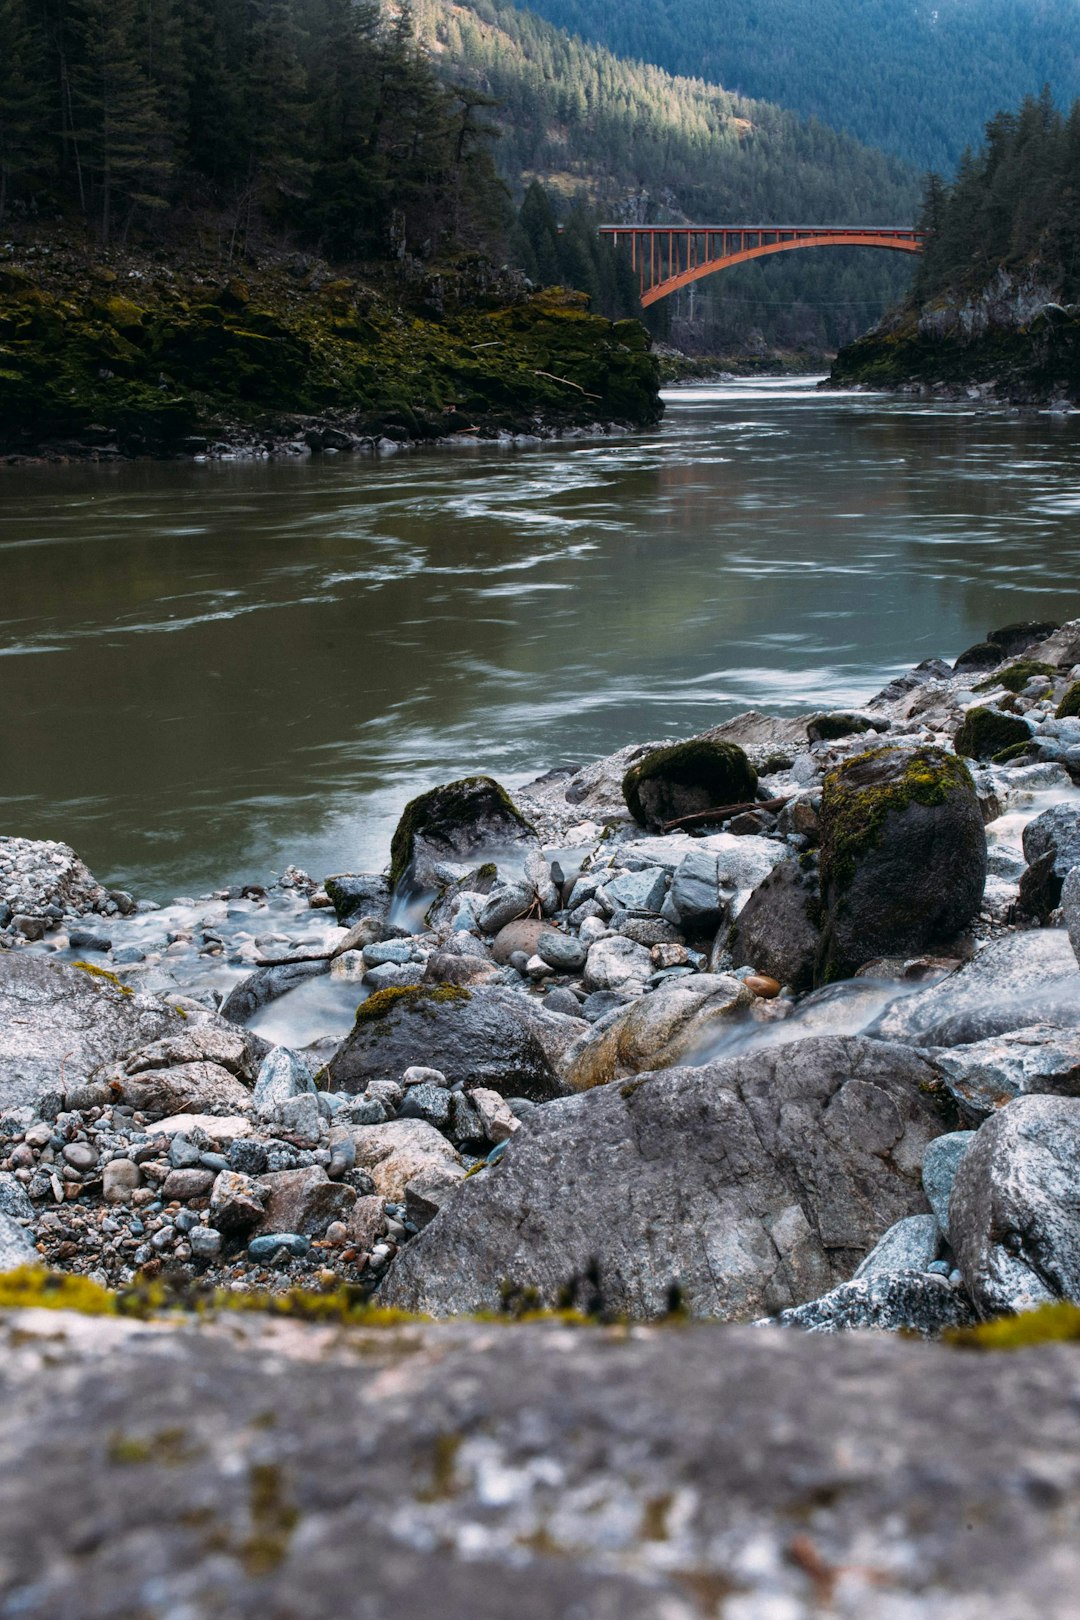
(31, 1286)
(986, 732)
(1070, 703)
(419, 996)
(720, 770)
(1050, 1324)
(442, 813)
(105, 975)
(853, 814)
(1015, 676)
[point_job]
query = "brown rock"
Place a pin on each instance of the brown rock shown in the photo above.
(119, 1179)
(394, 1153)
(304, 1201)
(522, 935)
(366, 1222)
(185, 1184)
(236, 1202)
(762, 985)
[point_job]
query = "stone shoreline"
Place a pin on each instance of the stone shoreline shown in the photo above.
(560, 985)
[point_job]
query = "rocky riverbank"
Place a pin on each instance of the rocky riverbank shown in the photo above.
(777, 1026)
(111, 355)
(836, 944)
(1013, 342)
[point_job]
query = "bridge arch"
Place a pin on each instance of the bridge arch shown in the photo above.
(668, 257)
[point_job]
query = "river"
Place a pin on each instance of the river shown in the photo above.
(208, 670)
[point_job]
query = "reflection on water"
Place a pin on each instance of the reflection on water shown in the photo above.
(211, 670)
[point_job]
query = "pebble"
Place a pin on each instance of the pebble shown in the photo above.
(274, 1247)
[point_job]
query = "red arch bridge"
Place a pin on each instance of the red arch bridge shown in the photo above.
(668, 257)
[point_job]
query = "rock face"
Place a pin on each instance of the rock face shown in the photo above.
(903, 856)
(1014, 1216)
(909, 1479)
(701, 774)
(1015, 981)
(656, 1032)
(487, 1037)
(751, 1185)
(455, 823)
(777, 930)
(57, 1024)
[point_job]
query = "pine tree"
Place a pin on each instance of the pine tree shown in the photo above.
(23, 99)
(122, 133)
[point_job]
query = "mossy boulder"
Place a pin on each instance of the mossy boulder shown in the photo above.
(828, 727)
(492, 1037)
(701, 774)
(985, 733)
(455, 823)
(983, 655)
(1070, 703)
(903, 856)
(1016, 676)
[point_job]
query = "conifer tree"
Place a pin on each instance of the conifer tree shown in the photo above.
(23, 99)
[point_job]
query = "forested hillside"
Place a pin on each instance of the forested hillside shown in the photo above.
(311, 117)
(915, 77)
(636, 143)
(994, 299)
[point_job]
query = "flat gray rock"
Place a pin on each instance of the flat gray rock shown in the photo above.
(270, 1468)
(1017, 980)
(905, 1301)
(988, 1074)
(1014, 1216)
(57, 1024)
(750, 1184)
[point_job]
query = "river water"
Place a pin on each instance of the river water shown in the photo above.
(210, 670)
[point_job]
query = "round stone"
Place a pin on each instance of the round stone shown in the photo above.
(762, 985)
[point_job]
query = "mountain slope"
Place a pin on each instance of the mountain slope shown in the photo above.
(915, 77)
(640, 144)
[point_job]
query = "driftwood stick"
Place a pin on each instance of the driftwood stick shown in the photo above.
(550, 375)
(701, 818)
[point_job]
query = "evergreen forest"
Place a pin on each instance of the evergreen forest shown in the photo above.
(316, 118)
(918, 78)
(1014, 205)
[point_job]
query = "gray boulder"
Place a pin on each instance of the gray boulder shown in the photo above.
(693, 902)
(16, 1244)
(1014, 1216)
(454, 824)
(903, 856)
(1052, 849)
(58, 1024)
(986, 1075)
(267, 984)
(1015, 981)
(656, 1031)
(911, 1245)
(490, 1036)
(749, 1185)
(283, 1075)
(777, 932)
(903, 1301)
(534, 1471)
(941, 1161)
(1070, 905)
(356, 895)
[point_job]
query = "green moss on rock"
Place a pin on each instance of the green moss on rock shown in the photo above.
(1049, 1324)
(986, 732)
(1070, 703)
(686, 777)
(854, 816)
(1016, 676)
(417, 996)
